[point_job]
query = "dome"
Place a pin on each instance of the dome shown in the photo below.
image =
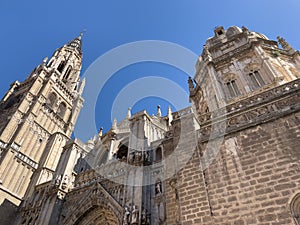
(231, 31)
(259, 35)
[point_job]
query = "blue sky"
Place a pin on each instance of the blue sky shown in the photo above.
(31, 30)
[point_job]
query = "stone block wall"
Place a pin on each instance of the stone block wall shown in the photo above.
(252, 179)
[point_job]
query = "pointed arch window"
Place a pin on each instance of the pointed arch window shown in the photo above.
(232, 89)
(62, 109)
(50, 63)
(61, 66)
(122, 152)
(256, 79)
(67, 73)
(52, 99)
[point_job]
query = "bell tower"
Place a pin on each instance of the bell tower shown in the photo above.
(236, 64)
(37, 118)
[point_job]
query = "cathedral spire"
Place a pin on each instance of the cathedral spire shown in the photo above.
(67, 62)
(76, 43)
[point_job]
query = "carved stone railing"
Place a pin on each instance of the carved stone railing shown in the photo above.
(253, 110)
(181, 113)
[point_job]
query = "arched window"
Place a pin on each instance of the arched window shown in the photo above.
(231, 85)
(62, 109)
(158, 154)
(67, 73)
(50, 63)
(61, 66)
(122, 152)
(52, 99)
(232, 89)
(295, 208)
(256, 79)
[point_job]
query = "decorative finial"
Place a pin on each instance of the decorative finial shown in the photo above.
(45, 60)
(81, 87)
(100, 132)
(129, 113)
(285, 45)
(245, 30)
(114, 124)
(158, 114)
(81, 34)
(170, 116)
(191, 84)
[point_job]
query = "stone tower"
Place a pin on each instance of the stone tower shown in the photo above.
(37, 118)
(236, 64)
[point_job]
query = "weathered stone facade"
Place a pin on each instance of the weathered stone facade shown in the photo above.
(37, 118)
(231, 158)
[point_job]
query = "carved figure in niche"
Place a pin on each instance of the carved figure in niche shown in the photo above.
(65, 182)
(145, 217)
(158, 189)
(135, 215)
(138, 156)
(207, 53)
(57, 180)
(131, 157)
(126, 216)
(147, 156)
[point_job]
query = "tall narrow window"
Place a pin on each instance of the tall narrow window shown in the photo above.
(67, 73)
(52, 100)
(256, 79)
(62, 110)
(19, 188)
(50, 63)
(158, 154)
(232, 89)
(61, 66)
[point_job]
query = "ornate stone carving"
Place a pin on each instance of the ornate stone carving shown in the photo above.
(135, 215)
(126, 218)
(145, 220)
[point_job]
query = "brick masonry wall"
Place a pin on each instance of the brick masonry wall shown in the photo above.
(251, 181)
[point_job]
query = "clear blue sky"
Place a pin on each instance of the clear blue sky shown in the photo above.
(31, 30)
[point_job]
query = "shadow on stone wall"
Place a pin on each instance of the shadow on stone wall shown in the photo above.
(8, 213)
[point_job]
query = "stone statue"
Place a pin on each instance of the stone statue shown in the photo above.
(138, 157)
(65, 182)
(145, 217)
(207, 53)
(57, 180)
(158, 188)
(147, 156)
(126, 216)
(135, 215)
(131, 157)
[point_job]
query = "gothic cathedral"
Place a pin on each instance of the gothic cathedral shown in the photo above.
(231, 158)
(37, 118)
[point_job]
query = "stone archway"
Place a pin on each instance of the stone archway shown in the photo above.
(92, 206)
(295, 208)
(97, 216)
